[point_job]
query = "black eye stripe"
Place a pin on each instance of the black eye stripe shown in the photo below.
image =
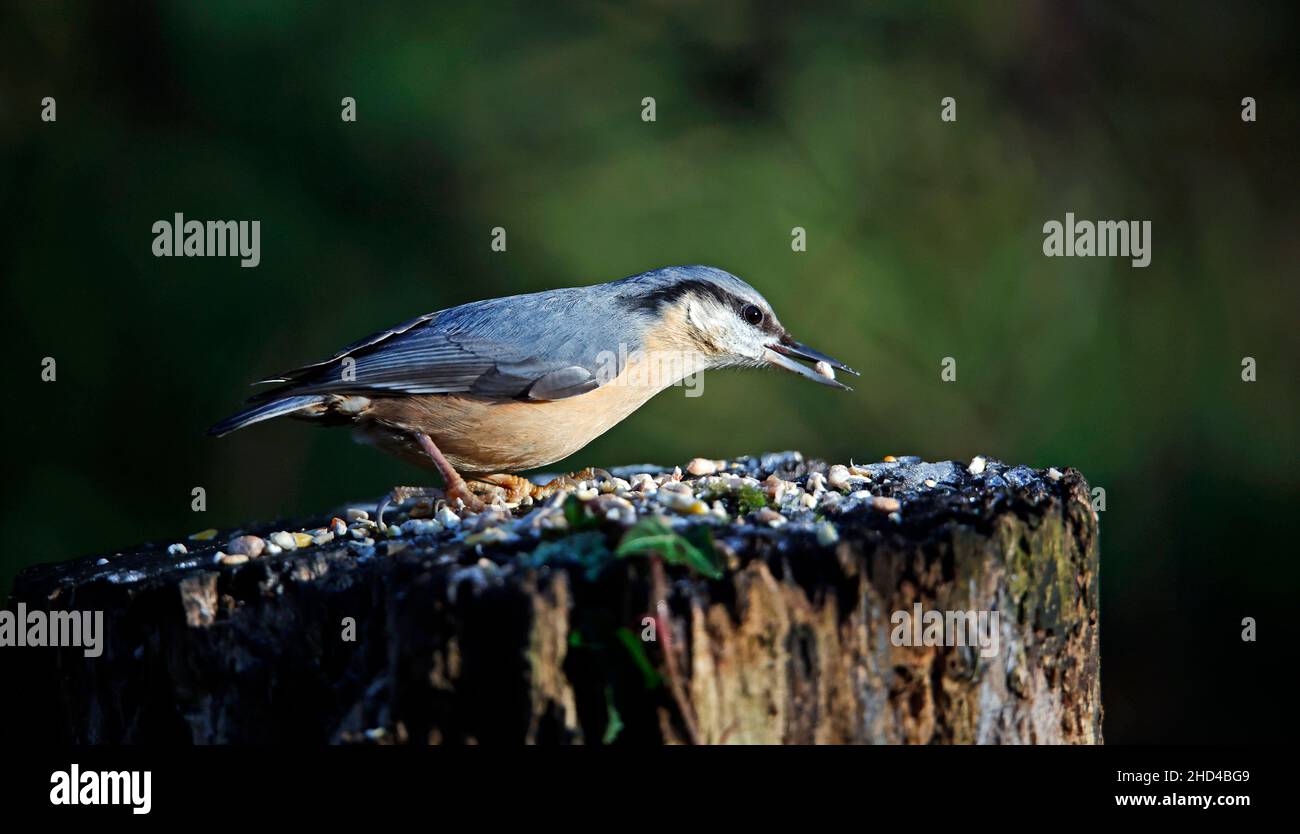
(656, 299)
(673, 293)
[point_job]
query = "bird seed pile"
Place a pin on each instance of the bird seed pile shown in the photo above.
(778, 496)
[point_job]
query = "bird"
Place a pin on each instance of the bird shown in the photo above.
(494, 387)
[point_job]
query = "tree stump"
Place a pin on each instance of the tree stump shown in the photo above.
(762, 603)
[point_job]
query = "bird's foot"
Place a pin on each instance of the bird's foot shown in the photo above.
(456, 488)
(510, 488)
(400, 495)
(589, 475)
(460, 491)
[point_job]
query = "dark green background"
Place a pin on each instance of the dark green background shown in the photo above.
(924, 241)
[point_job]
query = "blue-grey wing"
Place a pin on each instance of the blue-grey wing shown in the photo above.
(546, 346)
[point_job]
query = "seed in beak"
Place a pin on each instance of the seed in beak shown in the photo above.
(822, 371)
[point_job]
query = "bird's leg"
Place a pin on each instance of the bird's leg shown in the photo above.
(455, 484)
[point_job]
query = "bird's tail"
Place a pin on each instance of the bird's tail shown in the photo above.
(265, 411)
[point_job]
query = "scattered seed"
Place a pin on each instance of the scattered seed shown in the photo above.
(1054, 474)
(827, 535)
(824, 369)
(204, 535)
(489, 536)
(231, 558)
(701, 466)
(284, 541)
(675, 500)
(776, 488)
(885, 505)
(977, 465)
(177, 549)
(250, 546)
(418, 527)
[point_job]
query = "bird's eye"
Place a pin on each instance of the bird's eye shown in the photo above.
(752, 314)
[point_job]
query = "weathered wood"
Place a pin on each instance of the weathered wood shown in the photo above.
(484, 638)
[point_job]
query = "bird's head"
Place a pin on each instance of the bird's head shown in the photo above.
(725, 320)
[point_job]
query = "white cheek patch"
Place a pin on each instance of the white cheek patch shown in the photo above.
(709, 320)
(724, 328)
(696, 315)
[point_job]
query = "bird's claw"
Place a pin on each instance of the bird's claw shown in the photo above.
(462, 492)
(511, 488)
(590, 474)
(400, 495)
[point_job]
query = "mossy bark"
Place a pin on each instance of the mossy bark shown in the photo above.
(457, 645)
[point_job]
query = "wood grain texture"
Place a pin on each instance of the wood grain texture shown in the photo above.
(457, 644)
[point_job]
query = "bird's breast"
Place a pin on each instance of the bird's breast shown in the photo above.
(480, 435)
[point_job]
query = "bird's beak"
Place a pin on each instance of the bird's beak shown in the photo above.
(776, 354)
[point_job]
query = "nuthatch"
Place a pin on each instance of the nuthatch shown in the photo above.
(515, 383)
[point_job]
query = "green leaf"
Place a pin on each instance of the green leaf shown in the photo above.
(575, 513)
(652, 535)
(633, 643)
(614, 721)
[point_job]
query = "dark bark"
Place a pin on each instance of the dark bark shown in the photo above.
(487, 642)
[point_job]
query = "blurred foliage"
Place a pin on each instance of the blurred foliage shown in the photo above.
(924, 241)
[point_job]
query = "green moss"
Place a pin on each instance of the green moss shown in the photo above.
(1040, 569)
(751, 499)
